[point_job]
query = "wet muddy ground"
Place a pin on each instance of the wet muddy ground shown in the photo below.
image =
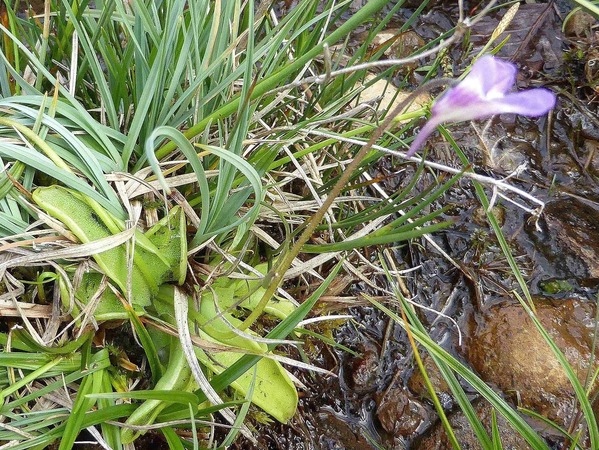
(379, 399)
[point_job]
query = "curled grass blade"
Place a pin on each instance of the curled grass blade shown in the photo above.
(187, 149)
(224, 223)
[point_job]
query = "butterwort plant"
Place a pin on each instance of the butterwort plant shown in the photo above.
(485, 92)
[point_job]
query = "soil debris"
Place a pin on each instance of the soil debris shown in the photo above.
(437, 438)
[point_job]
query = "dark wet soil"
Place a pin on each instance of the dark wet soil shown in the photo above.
(436, 438)
(569, 229)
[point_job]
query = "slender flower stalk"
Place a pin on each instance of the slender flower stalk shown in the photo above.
(274, 278)
(485, 92)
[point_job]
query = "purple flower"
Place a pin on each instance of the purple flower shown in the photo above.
(483, 93)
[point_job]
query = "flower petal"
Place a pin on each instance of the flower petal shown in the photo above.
(531, 103)
(491, 77)
(458, 104)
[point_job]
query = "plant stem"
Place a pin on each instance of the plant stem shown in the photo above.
(276, 275)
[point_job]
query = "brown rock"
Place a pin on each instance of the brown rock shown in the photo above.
(337, 432)
(580, 23)
(508, 351)
(364, 370)
(398, 413)
(417, 385)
